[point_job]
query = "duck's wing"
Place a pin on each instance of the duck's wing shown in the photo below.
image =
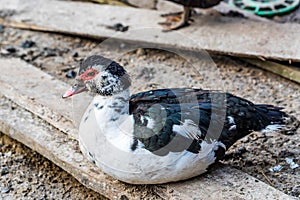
(173, 120)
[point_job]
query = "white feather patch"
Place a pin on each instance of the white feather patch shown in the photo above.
(230, 120)
(188, 129)
(271, 128)
(150, 123)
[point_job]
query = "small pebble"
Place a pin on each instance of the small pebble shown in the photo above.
(140, 52)
(292, 164)
(120, 27)
(123, 197)
(122, 45)
(2, 29)
(277, 168)
(48, 52)
(10, 49)
(6, 189)
(4, 171)
(241, 150)
(71, 74)
(7, 154)
(27, 44)
(75, 55)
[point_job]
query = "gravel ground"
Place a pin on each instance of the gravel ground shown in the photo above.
(25, 174)
(59, 56)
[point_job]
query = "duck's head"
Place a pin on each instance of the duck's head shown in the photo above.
(100, 76)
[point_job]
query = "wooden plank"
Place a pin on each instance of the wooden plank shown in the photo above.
(108, 2)
(233, 36)
(34, 89)
(291, 73)
(58, 112)
(222, 7)
(58, 148)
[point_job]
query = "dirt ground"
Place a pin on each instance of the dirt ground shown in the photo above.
(26, 174)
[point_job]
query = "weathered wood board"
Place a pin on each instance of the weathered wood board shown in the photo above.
(218, 34)
(39, 95)
(292, 73)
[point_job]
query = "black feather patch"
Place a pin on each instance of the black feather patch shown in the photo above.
(219, 116)
(197, 3)
(94, 60)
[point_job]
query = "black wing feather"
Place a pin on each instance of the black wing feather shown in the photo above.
(207, 109)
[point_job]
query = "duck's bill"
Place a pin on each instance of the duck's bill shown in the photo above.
(74, 90)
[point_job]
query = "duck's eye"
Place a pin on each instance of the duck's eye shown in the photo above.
(88, 75)
(91, 74)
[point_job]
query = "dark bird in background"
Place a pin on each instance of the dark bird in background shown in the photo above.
(187, 8)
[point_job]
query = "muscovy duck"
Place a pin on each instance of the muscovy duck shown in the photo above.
(162, 135)
(187, 6)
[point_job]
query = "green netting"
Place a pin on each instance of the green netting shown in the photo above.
(266, 7)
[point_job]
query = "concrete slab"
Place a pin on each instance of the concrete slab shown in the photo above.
(218, 34)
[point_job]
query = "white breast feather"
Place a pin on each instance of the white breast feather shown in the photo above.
(110, 145)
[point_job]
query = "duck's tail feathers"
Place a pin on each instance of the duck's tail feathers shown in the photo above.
(279, 120)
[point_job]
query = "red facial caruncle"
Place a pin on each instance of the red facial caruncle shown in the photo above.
(80, 86)
(88, 74)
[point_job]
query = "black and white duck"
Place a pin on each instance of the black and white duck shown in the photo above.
(161, 135)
